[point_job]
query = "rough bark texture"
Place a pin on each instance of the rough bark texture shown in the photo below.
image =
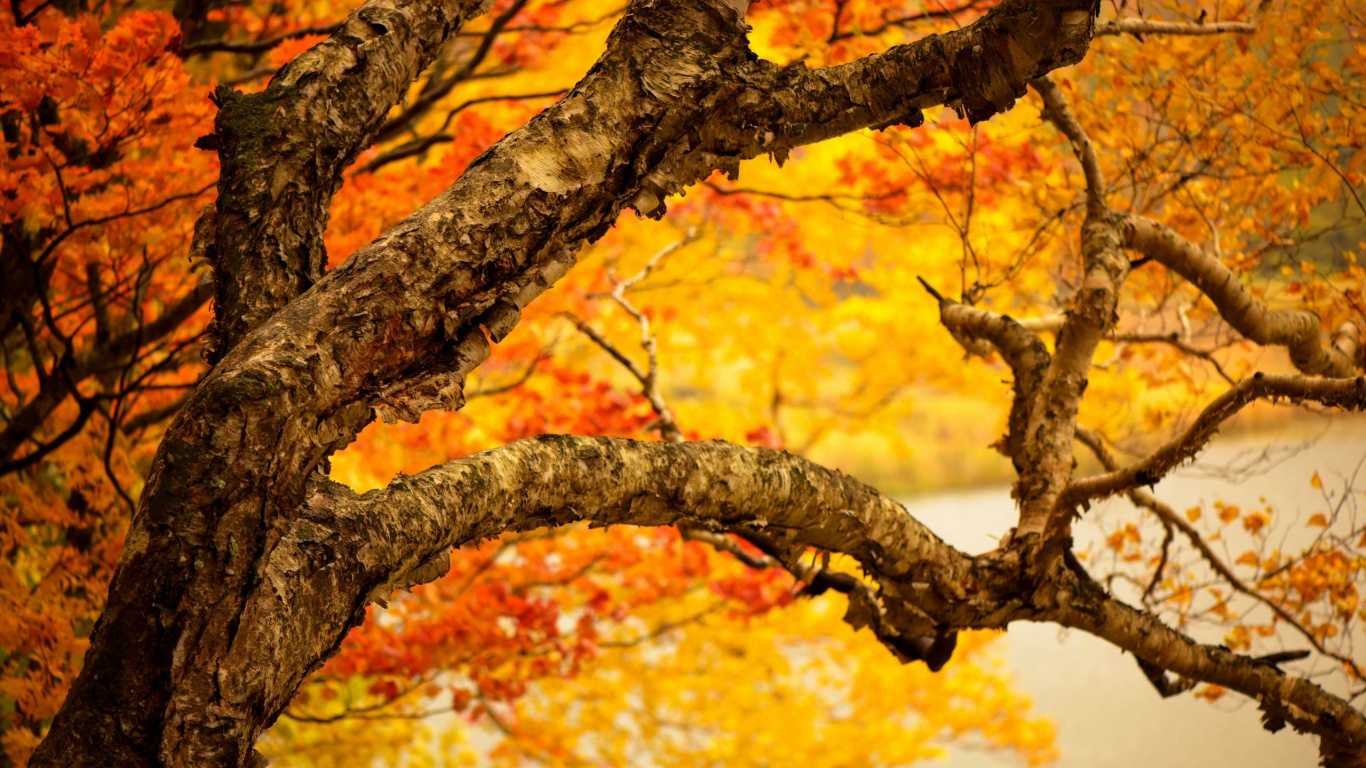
(174, 673)
(400, 536)
(1048, 459)
(1046, 454)
(283, 151)
(1059, 589)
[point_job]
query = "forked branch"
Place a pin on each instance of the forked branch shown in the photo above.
(1348, 394)
(924, 586)
(1169, 517)
(979, 332)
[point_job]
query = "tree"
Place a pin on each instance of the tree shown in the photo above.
(246, 566)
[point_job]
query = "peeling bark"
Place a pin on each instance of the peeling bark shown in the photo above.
(174, 673)
(401, 535)
(1304, 705)
(283, 151)
(1048, 460)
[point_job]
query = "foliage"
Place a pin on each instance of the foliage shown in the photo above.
(784, 310)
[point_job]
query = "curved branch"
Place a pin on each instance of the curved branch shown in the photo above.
(1047, 461)
(554, 480)
(254, 46)
(1056, 112)
(1299, 332)
(978, 332)
(712, 486)
(394, 330)
(1046, 457)
(1282, 698)
(1349, 394)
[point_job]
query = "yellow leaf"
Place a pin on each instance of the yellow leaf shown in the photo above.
(1193, 514)
(1318, 521)
(1248, 558)
(1316, 481)
(1229, 514)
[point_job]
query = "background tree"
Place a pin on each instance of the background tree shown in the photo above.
(248, 563)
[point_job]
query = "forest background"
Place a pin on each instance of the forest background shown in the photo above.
(783, 304)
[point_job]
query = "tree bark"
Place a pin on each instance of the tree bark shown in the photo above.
(282, 152)
(199, 649)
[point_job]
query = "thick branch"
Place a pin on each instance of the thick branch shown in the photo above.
(1046, 459)
(714, 486)
(283, 151)
(394, 330)
(556, 480)
(1299, 332)
(344, 551)
(1172, 520)
(1282, 697)
(1047, 456)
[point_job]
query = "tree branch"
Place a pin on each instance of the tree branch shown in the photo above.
(394, 330)
(1056, 112)
(253, 46)
(1281, 697)
(1046, 458)
(1169, 517)
(555, 480)
(1147, 27)
(1047, 461)
(283, 150)
(1349, 394)
(707, 488)
(1298, 332)
(979, 331)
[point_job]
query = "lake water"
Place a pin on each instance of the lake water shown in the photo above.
(1106, 711)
